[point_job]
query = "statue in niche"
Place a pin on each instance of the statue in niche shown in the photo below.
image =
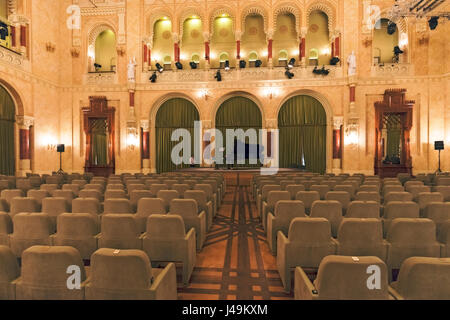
(351, 60)
(132, 70)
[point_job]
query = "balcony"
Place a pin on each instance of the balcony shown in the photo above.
(101, 78)
(392, 70)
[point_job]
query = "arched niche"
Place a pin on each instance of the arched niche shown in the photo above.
(163, 42)
(318, 38)
(254, 39)
(285, 38)
(383, 43)
(222, 39)
(102, 49)
(7, 133)
(191, 39)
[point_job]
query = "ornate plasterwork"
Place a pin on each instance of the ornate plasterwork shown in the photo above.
(254, 10)
(217, 13)
(96, 30)
(188, 13)
(325, 8)
(338, 121)
(24, 122)
(159, 14)
(288, 8)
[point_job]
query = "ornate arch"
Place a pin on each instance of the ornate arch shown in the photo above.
(285, 9)
(254, 10)
(218, 12)
(160, 13)
(15, 96)
(402, 23)
(186, 14)
(96, 30)
(326, 8)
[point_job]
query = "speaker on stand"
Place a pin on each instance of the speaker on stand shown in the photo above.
(439, 145)
(60, 148)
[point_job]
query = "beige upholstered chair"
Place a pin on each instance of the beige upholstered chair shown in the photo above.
(91, 193)
(115, 194)
(86, 205)
(409, 238)
(167, 196)
(444, 239)
(346, 188)
(363, 209)
(19, 204)
(128, 275)
(343, 278)
(38, 195)
(262, 197)
(181, 188)
(397, 196)
(424, 198)
(166, 240)
(330, 210)
(308, 242)
(75, 188)
(423, 278)
(155, 188)
(285, 211)
(8, 195)
(49, 187)
(6, 228)
(203, 204)
(399, 209)
(30, 229)
(146, 207)
(44, 274)
(342, 196)
(188, 210)
(9, 271)
(444, 190)
(361, 237)
(66, 194)
(370, 188)
(210, 196)
(269, 205)
(119, 231)
(54, 207)
(308, 198)
(293, 189)
(439, 212)
(136, 195)
(416, 189)
(77, 230)
(112, 206)
(321, 189)
(23, 184)
(368, 196)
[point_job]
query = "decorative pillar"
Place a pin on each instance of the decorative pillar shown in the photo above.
(23, 39)
(13, 37)
(270, 48)
(145, 145)
(238, 45)
(338, 122)
(302, 49)
(352, 86)
(206, 38)
(24, 123)
(145, 56)
(337, 45)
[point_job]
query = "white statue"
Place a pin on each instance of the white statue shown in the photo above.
(131, 70)
(351, 60)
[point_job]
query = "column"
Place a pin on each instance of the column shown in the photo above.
(238, 46)
(13, 37)
(23, 39)
(270, 48)
(145, 146)
(206, 38)
(338, 122)
(176, 49)
(145, 56)
(24, 123)
(302, 49)
(337, 45)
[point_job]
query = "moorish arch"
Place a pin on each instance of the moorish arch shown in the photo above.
(326, 8)
(288, 8)
(254, 10)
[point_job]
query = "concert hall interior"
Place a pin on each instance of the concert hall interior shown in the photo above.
(224, 150)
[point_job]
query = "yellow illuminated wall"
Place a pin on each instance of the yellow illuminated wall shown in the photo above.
(285, 39)
(318, 37)
(223, 40)
(3, 9)
(105, 50)
(383, 43)
(162, 41)
(192, 41)
(253, 40)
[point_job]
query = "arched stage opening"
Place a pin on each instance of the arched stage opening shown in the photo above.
(7, 136)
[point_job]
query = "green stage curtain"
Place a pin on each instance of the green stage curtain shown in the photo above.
(99, 143)
(393, 142)
(7, 119)
(238, 113)
(302, 123)
(174, 114)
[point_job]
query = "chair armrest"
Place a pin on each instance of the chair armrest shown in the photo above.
(165, 284)
(335, 242)
(142, 236)
(394, 293)
(52, 238)
(303, 288)
(190, 234)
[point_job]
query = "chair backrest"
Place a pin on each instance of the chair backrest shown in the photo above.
(86, 205)
(9, 267)
(423, 278)
(346, 188)
(8, 195)
(46, 266)
(117, 226)
(397, 196)
(437, 211)
(181, 188)
(167, 196)
(357, 232)
(206, 188)
(75, 188)
(401, 209)
(308, 198)
(184, 207)
(31, 225)
(149, 206)
(424, 198)
(343, 277)
(342, 196)
(289, 209)
(77, 225)
(368, 196)
(369, 188)
(115, 194)
(293, 189)
(363, 209)
(199, 196)
(322, 189)
(90, 193)
(66, 194)
(444, 190)
(115, 186)
(136, 195)
(274, 196)
(55, 206)
(38, 195)
(412, 232)
(310, 231)
(155, 188)
(20, 204)
(392, 188)
(166, 226)
(113, 269)
(268, 188)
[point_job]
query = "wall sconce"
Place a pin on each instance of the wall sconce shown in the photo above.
(352, 132)
(132, 138)
(51, 147)
(271, 92)
(367, 41)
(204, 93)
(120, 51)
(50, 47)
(75, 52)
(423, 39)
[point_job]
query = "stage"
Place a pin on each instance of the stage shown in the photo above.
(236, 176)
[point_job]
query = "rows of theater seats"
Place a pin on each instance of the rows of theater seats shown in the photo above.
(123, 225)
(309, 217)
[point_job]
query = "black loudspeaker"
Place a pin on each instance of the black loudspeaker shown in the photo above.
(439, 145)
(60, 148)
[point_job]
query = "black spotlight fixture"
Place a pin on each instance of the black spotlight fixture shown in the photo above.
(334, 61)
(153, 77)
(227, 65)
(397, 50)
(193, 65)
(291, 63)
(97, 66)
(159, 68)
(391, 28)
(289, 74)
(433, 22)
(179, 65)
(218, 76)
(258, 63)
(242, 64)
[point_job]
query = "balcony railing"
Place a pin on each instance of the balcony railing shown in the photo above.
(392, 69)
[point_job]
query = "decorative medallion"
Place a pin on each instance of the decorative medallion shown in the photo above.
(195, 33)
(223, 33)
(284, 29)
(314, 28)
(167, 34)
(253, 31)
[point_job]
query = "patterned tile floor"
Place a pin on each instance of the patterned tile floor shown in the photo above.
(235, 262)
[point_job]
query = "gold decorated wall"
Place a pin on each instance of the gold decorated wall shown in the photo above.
(50, 81)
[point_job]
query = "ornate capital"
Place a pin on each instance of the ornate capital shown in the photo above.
(206, 36)
(145, 125)
(238, 35)
(338, 122)
(304, 32)
(175, 37)
(24, 122)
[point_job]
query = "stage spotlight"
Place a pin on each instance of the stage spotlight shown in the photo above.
(289, 74)
(227, 65)
(291, 63)
(258, 63)
(179, 65)
(218, 76)
(159, 68)
(153, 77)
(97, 66)
(242, 64)
(193, 65)
(397, 50)
(392, 27)
(433, 22)
(334, 61)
